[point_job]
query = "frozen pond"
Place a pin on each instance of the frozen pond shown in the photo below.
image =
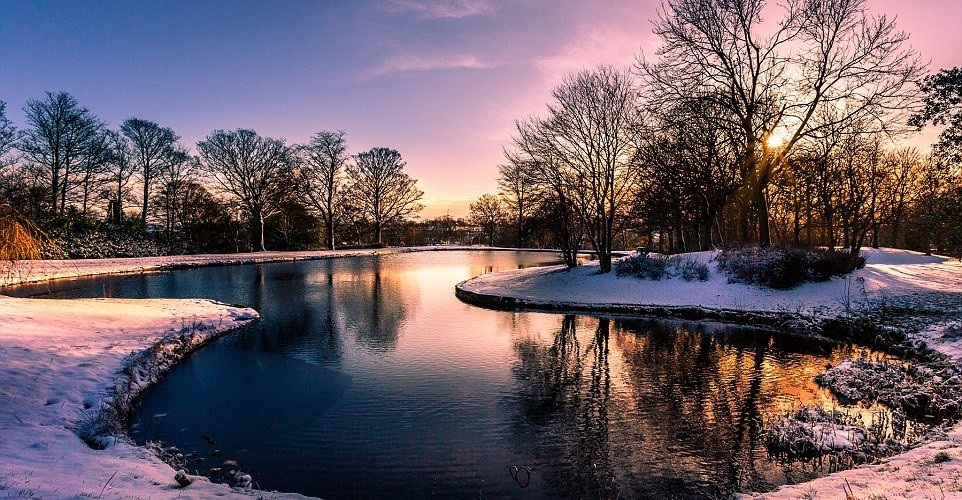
(367, 378)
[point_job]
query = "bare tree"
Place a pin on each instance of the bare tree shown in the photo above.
(585, 149)
(538, 163)
(383, 191)
(59, 135)
(253, 170)
(120, 172)
(152, 147)
(8, 137)
(487, 213)
(518, 191)
(821, 52)
(93, 169)
(172, 180)
(321, 179)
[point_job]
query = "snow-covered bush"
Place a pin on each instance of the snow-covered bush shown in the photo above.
(82, 238)
(784, 268)
(643, 265)
(812, 431)
(933, 391)
(656, 267)
(688, 268)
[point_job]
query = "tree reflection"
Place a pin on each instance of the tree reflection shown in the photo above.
(641, 408)
(312, 307)
(566, 403)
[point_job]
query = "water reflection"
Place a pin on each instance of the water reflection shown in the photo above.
(681, 414)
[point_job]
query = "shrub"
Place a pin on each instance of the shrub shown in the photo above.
(85, 238)
(785, 267)
(689, 269)
(657, 267)
(643, 265)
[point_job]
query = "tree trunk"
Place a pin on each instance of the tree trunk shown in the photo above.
(329, 228)
(257, 239)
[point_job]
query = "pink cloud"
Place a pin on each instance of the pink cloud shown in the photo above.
(412, 63)
(441, 9)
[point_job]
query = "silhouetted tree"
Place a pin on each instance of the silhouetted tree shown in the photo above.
(8, 137)
(255, 171)
(943, 106)
(519, 192)
(383, 191)
(152, 147)
(488, 214)
(59, 136)
(172, 178)
(820, 53)
(321, 179)
(584, 149)
(120, 172)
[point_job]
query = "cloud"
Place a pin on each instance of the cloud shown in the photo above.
(441, 9)
(594, 45)
(409, 63)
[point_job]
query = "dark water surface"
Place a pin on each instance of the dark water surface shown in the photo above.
(367, 378)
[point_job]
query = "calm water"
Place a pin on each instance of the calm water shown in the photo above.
(367, 378)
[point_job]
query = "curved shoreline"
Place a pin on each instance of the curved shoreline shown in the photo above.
(758, 319)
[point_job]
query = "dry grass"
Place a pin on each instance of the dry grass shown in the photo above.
(21, 239)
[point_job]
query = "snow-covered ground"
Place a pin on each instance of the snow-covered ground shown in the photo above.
(61, 363)
(888, 274)
(930, 471)
(42, 270)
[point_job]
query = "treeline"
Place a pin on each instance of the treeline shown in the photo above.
(738, 135)
(138, 190)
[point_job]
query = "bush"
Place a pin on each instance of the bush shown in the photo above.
(689, 269)
(784, 268)
(643, 265)
(657, 267)
(85, 238)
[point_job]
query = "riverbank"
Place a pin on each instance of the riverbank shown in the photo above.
(928, 286)
(68, 366)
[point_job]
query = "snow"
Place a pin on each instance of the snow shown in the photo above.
(43, 270)
(888, 274)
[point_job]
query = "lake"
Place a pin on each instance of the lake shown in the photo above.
(367, 378)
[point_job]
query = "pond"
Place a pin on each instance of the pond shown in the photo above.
(367, 378)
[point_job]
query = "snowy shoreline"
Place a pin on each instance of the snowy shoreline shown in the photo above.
(904, 278)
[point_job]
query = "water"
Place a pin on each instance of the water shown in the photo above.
(367, 378)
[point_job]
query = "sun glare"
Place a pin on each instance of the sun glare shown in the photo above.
(777, 138)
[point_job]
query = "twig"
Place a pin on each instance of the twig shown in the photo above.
(107, 483)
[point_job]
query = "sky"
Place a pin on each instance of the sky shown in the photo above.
(441, 81)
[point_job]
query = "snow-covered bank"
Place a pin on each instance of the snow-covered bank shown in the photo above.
(888, 274)
(892, 277)
(44, 270)
(64, 362)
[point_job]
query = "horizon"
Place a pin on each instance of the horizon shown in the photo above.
(440, 81)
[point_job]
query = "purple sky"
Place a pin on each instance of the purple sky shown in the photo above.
(441, 81)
